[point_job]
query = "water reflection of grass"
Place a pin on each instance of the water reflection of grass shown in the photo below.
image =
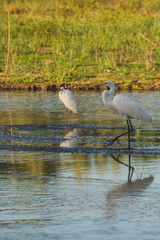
(29, 166)
(39, 167)
(67, 40)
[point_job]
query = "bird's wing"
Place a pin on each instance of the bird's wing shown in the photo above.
(69, 100)
(127, 107)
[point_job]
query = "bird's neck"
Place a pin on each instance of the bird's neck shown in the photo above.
(105, 98)
(111, 90)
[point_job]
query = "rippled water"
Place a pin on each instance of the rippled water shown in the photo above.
(83, 194)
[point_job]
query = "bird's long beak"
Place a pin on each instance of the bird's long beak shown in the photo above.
(103, 85)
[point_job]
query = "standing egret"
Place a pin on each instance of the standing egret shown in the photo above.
(125, 106)
(67, 97)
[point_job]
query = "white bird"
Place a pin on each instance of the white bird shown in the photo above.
(67, 97)
(125, 106)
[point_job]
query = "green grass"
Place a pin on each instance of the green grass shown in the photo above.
(80, 41)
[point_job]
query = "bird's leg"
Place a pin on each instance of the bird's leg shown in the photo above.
(116, 138)
(130, 129)
(128, 125)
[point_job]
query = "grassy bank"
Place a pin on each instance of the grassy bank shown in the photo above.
(45, 43)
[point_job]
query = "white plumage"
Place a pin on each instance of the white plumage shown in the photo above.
(124, 105)
(67, 97)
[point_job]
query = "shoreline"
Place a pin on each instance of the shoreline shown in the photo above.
(82, 86)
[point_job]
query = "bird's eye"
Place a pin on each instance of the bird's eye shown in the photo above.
(108, 88)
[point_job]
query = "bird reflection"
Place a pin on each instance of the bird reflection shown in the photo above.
(130, 168)
(130, 188)
(128, 191)
(70, 139)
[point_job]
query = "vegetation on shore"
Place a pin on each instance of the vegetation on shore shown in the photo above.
(80, 42)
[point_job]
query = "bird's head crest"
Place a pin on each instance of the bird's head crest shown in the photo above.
(62, 86)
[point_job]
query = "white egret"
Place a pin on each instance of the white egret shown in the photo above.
(67, 97)
(125, 106)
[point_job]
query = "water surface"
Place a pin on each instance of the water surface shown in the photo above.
(59, 195)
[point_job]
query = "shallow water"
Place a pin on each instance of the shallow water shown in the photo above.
(83, 194)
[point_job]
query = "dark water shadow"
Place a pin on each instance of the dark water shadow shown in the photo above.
(48, 138)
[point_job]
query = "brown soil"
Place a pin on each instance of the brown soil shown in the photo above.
(95, 85)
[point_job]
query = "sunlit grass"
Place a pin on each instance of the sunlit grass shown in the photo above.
(84, 40)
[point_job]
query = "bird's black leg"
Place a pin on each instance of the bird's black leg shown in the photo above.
(116, 138)
(130, 129)
(128, 125)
